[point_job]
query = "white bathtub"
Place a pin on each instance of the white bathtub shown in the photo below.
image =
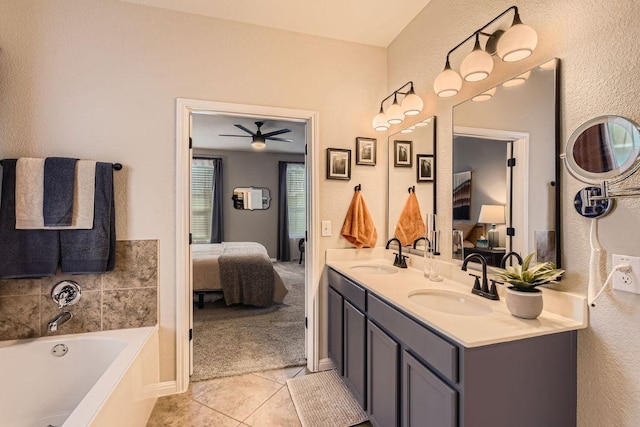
(105, 378)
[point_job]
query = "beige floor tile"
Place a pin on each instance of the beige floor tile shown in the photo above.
(179, 410)
(236, 397)
(277, 411)
(280, 375)
(303, 372)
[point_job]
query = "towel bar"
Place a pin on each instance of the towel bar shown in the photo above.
(116, 166)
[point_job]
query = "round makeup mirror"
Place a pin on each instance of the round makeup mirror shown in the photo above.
(606, 148)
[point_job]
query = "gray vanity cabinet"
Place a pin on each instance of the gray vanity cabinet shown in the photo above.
(347, 334)
(383, 378)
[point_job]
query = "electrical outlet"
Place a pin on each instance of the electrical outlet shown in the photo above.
(630, 281)
(326, 228)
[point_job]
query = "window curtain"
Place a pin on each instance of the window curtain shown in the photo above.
(217, 203)
(284, 251)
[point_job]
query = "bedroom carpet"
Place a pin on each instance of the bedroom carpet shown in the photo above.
(237, 339)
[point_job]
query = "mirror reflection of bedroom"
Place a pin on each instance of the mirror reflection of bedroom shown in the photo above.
(248, 225)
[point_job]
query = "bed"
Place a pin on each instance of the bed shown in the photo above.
(242, 271)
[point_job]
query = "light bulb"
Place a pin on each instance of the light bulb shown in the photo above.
(518, 42)
(477, 65)
(448, 82)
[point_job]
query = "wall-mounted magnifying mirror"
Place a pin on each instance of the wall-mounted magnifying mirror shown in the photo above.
(412, 164)
(251, 198)
(505, 191)
(605, 151)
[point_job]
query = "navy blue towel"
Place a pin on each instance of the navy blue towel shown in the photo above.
(59, 180)
(93, 251)
(23, 253)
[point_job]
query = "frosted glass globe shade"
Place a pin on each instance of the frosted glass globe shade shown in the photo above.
(448, 83)
(517, 43)
(395, 114)
(484, 96)
(380, 122)
(412, 104)
(518, 80)
(476, 66)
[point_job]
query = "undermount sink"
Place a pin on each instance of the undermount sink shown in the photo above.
(374, 269)
(450, 302)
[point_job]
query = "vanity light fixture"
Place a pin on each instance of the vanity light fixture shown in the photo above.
(425, 122)
(518, 80)
(258, 142)
(408, 130)
(515, 44)
(484, 96)
(411, 105)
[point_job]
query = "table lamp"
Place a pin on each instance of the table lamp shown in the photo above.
(492, 214)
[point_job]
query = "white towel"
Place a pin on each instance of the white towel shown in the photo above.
(30, 195)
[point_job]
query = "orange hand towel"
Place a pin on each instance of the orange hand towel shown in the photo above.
(358, 227)
(410, 225)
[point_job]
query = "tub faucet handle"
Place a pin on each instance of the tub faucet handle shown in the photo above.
(66, 292)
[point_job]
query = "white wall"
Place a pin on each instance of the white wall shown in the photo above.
(597, 44)
(99, 79)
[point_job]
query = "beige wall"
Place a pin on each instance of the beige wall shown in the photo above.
(597, 44)
(99, 79)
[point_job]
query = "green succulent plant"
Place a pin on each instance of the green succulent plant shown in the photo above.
(528, 276)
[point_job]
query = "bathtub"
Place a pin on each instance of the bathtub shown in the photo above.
(102, 378)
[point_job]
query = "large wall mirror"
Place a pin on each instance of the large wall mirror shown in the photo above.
(411, 164)
(505, 169)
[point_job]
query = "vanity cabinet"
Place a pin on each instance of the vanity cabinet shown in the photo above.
(417, 377)
(347, 334)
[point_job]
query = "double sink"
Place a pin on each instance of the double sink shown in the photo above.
(438, 300)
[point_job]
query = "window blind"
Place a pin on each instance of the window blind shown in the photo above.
(296, 200)
(201, 199)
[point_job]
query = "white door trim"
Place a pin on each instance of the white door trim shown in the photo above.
(184, 107)
(520, 219)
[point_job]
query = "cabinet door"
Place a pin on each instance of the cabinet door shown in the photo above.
(383, 357)
(426, 400)
(335, 330)
(355, 329)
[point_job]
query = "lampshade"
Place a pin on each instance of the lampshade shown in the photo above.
(380, 121)
(448, 82)
(477, 65)
(491, 214)
(518, 80)
(484, 96)
(395, 114)
(412, 104)
(518, 42)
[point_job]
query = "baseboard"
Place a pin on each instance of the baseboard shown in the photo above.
(167, 387)
(325, 364)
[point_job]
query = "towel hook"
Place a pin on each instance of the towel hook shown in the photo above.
(357, 187)
(412, 188)
(117, 166)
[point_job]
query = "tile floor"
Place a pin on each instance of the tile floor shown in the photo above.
(257, 400)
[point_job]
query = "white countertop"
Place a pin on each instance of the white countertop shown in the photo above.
(562, 312)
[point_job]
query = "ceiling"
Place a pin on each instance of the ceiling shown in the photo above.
(371, 22)
(208, 127)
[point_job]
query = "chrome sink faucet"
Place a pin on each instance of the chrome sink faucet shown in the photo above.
(483, 290)
(61, 318)
(400, 260)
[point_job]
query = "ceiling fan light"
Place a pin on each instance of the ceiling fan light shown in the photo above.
(518, 80)
(448, 82)
(518, 42)
(394, 114)
(380, 121)
(258, 144)
(477, 65)
(484, 96)
(412, 104)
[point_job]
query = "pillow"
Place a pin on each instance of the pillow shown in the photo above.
(465, 226)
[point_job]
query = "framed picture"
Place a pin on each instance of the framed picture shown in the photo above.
(402, 154)
(338, 163)
(366, 151)
(426, 167)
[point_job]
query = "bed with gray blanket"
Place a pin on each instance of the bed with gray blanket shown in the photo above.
(241, 270)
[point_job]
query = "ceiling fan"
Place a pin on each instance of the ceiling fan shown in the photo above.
(259, 139)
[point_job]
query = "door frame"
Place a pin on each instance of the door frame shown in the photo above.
(519, 217)
(184, 286)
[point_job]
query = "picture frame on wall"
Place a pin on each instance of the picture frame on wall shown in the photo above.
(366, 151)
(338, 163)
(403, 154)
(426, 167)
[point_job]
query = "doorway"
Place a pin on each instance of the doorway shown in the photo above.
(186, 108)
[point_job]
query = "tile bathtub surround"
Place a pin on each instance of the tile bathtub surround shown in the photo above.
(124, 298)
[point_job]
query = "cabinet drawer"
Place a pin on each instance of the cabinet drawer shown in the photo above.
(349, 290)
(437, 352)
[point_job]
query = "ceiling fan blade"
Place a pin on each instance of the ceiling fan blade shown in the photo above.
(238, 136)
(245, 129)
(279, 139)
(276, 132)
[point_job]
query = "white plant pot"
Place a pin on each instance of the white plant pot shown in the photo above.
(526, 305)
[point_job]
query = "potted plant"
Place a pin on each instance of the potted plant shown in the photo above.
(523, 298)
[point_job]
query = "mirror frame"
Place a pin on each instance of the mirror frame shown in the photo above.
(628, 168)
(557, 156)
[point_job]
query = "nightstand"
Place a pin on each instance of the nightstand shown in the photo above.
(492, 256)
